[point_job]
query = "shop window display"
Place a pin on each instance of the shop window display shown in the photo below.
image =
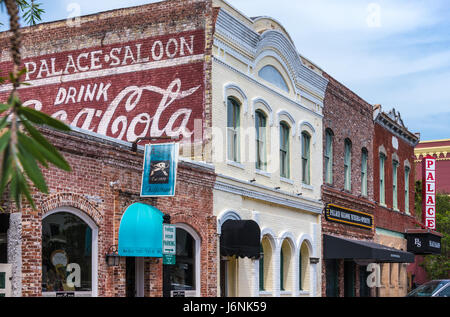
(66, 254)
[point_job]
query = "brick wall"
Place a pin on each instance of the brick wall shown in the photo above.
(95, 165)
(149, 66)
(348, 116)
(386, 217)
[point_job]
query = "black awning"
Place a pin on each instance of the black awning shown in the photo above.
(341, 248)
(240, 238)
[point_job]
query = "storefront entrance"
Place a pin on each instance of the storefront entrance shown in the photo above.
(134, 277)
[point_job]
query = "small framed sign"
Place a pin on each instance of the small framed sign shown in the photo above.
(160, 170)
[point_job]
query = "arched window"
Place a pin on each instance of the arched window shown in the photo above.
(303, 263)
(261, 128)
(364, 158)
(233, 124)
(285, 266)
(273, 76)
(395, 184)
(382, 179)
(329, 156)
(306, 159)
(67, 254)
(183, 275)
(284, 150)
(407, 173)
(261, 269)
(348, 165)
(266, 266)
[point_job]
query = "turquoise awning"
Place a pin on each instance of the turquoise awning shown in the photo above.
(140, 232)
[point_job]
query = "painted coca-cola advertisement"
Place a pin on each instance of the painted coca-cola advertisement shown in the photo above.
(152, 87)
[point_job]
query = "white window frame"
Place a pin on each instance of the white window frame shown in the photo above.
(197, 239)
(94, 247)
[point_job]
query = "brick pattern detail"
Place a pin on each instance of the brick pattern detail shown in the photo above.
(387, 217)
(95, 165)
(348, 116)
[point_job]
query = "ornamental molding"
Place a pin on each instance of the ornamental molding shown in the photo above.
(242, 191)
(253, 44)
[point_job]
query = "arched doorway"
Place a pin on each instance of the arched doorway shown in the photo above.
(185, 274)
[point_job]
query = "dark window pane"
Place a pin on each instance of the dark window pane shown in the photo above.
(182, 274)
(66, 249)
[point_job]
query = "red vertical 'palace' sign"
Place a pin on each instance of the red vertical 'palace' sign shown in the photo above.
(429, 192)
(150, 87)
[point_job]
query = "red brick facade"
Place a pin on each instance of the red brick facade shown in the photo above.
(348, 117)
(386, 217)
(96, 164)
(128, 73)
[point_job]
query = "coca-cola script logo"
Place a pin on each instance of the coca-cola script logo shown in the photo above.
(145, 95)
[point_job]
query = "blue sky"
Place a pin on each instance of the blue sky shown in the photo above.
(390, 52)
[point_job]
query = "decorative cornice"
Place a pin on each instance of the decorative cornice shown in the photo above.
(253, 44)
(242, 191)
(270, 90)
(395, 128)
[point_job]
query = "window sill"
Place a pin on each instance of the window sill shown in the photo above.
(263, 173)
(265, 293)
(287, 180)
(289, 293)
(235, 164)
(303, 293)
(309, 187)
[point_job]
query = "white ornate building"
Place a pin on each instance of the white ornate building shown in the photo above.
(267, 150)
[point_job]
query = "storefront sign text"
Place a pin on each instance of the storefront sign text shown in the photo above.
(347, 216)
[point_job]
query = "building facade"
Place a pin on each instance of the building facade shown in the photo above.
(348, 186)
(394, 192)
(267, 136)
(116, 77)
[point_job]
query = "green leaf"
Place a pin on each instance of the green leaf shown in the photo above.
(33, 147)
(47, 150)
(32, 169)
(24, 189)
(4, 140)
(3, 122)
(4, 107)
(42, 118)
(7, 168)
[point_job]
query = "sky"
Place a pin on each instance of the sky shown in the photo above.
(390, 52)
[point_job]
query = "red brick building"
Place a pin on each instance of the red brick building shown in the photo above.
(117, 76)
(348, 174)
(394, 193)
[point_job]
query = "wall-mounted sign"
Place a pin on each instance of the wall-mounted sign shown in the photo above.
(423, 243)
(169, 244)
(160, 170)
(151, 87)
(429, 192)
(348, 216)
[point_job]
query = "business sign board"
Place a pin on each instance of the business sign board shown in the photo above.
(429, 192)
(159, 177)
(152, 87)
(348, 216)
(169, 244)
(423, 243)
